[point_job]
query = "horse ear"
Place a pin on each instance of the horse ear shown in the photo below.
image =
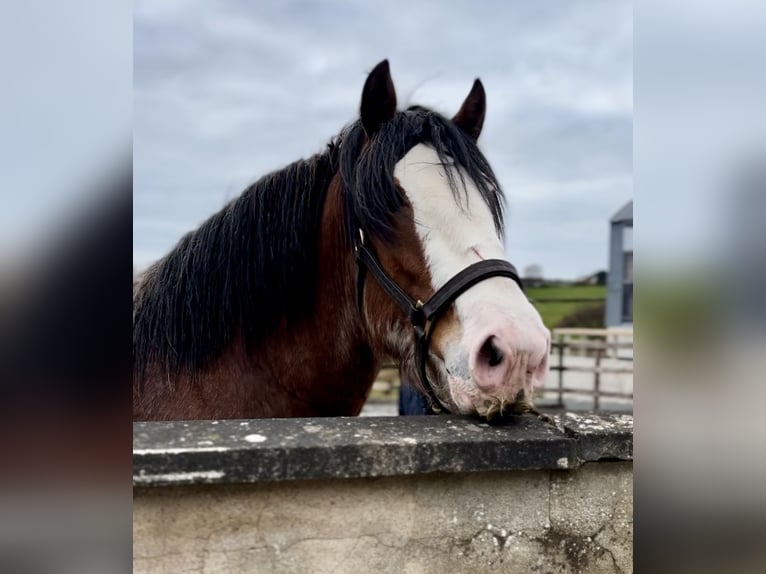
(470, 118)
(378, 99)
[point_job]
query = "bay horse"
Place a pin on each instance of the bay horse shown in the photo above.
(386, 244)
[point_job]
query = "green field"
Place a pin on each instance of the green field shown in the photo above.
(552, 311)
(597, 292)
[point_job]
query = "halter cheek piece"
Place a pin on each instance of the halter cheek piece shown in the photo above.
(423, 316)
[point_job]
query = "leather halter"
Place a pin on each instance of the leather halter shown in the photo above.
(423, 316)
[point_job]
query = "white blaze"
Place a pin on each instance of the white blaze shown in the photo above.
(453, 237)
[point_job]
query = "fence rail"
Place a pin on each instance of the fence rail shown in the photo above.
(599, 349)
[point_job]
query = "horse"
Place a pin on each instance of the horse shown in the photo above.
(386, 244)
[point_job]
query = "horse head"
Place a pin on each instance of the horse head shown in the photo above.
(426, 213)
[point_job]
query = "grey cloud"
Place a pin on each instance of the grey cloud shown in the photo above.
(559, 144)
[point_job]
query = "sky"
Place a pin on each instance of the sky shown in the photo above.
(227, 91)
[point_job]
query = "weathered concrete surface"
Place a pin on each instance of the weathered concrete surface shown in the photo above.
(574, 521)
(595, 504)
(535, 493)
(605, 436)
(225, 452)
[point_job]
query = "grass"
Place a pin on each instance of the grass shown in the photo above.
(597, 292)
(554, 311)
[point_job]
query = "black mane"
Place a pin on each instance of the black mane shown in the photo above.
(252, 265)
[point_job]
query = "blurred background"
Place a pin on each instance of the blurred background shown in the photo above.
(699, 166)
(65, 237)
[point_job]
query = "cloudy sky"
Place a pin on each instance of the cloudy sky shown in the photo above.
(227, 91)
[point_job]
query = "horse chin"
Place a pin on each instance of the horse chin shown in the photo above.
(498, 408)
(469, 400)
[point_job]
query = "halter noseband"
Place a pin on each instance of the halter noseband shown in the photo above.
(423, 316)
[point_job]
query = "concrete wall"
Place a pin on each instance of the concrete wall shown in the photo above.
(432, 494)
(523, 521)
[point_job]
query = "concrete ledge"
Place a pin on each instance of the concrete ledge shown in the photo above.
(230, 452)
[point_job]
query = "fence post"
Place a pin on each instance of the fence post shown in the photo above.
(597, 380)
(561, 370)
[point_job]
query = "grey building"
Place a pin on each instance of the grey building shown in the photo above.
(744, 247)
(619, 284)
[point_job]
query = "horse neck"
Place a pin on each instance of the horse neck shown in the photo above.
(335, 309)
(327, 359)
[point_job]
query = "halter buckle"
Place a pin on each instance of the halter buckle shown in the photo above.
(417, 316)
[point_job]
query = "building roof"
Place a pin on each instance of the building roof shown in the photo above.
(625, 214)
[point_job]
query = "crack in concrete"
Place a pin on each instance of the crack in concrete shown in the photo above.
(605, 548)
(550, 497)
(608, 551)
(607, 522)
(565, 550)
(548, 420)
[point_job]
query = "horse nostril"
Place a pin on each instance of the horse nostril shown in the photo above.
(493, 355)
